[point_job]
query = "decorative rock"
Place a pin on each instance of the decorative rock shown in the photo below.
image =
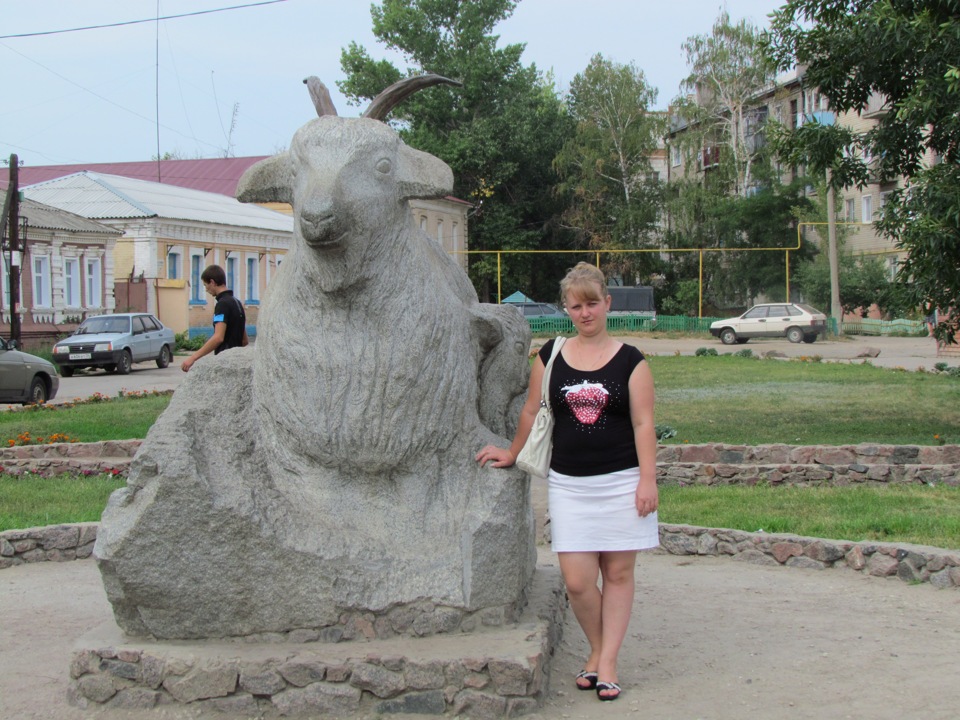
(151, 671)
(378, 680)
(235, 706)
(479, 706)
(823, 552)
(126, 670)
(908, 572)
(678, 544)
(134, 698)
(881, 565)
(424, 676)
(510, 677)
(320, 698)
(266, 681)
(302, 673)
(783, 551)
(60, 537)
(707, 544)
(203, 682)
(855, 558)
(941, 579)
(422, 703)
(338, 673)
(98, 688)
(805, 562)
(755, 557)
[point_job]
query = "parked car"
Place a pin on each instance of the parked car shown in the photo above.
(25, 378)
(794, 321)
(539, 310)
(114, 343)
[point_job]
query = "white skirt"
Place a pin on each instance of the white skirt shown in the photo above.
(598, 513)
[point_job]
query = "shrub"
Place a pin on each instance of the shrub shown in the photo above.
(185, 342)
(745, 353)
(664, 432)
(706, 352)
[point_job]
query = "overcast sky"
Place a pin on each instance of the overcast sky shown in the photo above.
(92, 96)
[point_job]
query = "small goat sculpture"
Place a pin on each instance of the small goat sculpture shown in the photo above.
(349, 489)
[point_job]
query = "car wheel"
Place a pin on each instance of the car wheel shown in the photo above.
(794, 334)
(38, 391)
(66, 371)
(728, 336)
(111, 368)
(124, 363)
(164, 359)
(810, 338)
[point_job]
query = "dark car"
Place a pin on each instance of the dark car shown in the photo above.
(114, 343)
(794, 321)
(25, 378)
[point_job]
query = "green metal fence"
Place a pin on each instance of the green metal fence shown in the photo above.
(899, 327)
(684, 324)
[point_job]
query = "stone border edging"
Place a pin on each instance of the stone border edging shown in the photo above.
(910, 563)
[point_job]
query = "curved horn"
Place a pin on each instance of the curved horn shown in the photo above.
(320, 96)
(385, 102)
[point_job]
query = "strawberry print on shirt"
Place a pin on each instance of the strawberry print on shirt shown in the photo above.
(586, 400)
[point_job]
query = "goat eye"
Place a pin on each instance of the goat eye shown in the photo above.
(384, 166)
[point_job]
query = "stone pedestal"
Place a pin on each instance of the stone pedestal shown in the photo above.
(489, 672)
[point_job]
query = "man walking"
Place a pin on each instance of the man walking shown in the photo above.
(229, 318)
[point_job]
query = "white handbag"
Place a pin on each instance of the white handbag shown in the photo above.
(534, 457)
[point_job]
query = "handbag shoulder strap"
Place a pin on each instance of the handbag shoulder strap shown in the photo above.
(545, 385)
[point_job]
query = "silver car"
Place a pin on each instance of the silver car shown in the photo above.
(25, 378)
(114, 343)
(794, 321)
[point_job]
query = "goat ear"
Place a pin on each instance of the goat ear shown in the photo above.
(422, 175)
(270, 180)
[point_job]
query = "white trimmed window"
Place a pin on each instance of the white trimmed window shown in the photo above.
(866, 205)
(71, 282)
(196, 269)
(676, 156)
(94, 282)
(232, 274)
(851, 211)
(6, 283)
(42, 296)
(253, 280)
(173, 266)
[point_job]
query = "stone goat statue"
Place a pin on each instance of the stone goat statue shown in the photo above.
(323, 479)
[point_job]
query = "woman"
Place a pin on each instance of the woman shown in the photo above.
(603, 482)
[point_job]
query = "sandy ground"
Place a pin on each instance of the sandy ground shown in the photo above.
(711, 638)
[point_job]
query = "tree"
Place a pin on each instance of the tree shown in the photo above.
(605, 167)
(906, 54)
(728, 68)
(499, 132)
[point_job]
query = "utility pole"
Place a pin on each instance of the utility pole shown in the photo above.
(836, 310)
(12, 205)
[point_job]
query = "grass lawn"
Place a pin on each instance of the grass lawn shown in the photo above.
(754, 402)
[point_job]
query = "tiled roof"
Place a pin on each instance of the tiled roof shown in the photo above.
(104, 197)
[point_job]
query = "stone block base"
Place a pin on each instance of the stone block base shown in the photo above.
(492, 672)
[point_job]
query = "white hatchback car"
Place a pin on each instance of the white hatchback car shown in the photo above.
(794, 321)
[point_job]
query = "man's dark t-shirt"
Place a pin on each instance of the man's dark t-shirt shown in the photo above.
(229, 310)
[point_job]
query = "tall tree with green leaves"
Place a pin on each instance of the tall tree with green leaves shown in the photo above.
(906, 55)
(605, 169)
(728, 67)
(499, 132)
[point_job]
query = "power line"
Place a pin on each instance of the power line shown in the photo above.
(138, 22)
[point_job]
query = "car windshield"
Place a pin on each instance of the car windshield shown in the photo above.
(104, 324)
